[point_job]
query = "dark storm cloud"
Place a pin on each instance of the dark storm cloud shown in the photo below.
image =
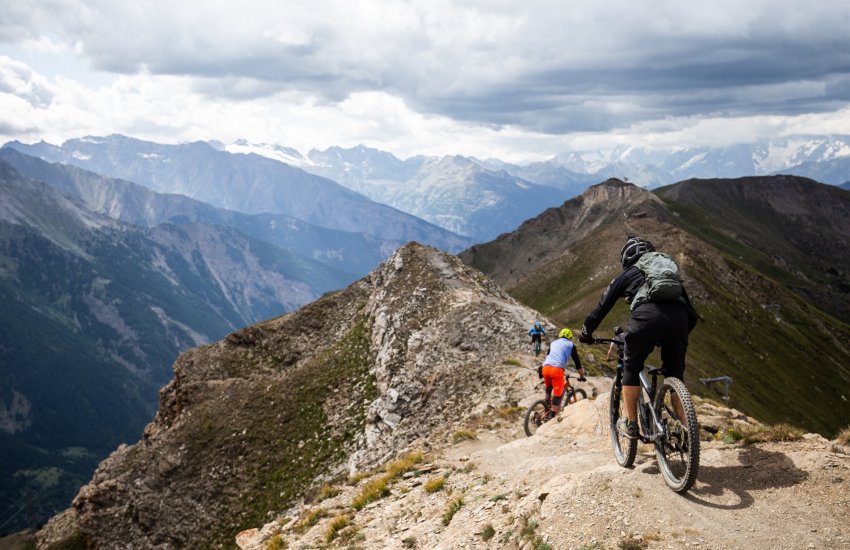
(548, 66)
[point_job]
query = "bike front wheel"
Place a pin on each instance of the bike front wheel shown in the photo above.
(625, 449)
(678, 448)
(576, 394)
(534, 416)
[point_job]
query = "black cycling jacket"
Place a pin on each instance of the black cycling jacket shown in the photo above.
(626, 284)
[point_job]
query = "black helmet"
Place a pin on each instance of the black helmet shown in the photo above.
(634, 248)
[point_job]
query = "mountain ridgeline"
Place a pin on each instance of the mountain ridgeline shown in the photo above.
(766, 260)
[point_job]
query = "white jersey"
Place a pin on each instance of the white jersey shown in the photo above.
(559, 352)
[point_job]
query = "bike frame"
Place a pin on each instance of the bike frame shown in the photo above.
(656, 428)
(646, 411)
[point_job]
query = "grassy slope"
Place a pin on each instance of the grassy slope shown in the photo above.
(790, 365)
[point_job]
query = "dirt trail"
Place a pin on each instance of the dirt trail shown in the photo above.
(562, 488)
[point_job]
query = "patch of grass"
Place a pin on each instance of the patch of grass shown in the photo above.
(775, 433)
(328, 491)
(511, 361)
(463, 435)
(409, 542)
(528, 531)
(488, 532)
(311, 517)
(637, 492)
(336, 525)
(380, 486)
(454, 505)
(277, 543)
(358, 477)
(529, 527)
(373, 490)
(434, 485)
(595, 545)
(500, 496)
(509, 411)
(632, 543)
(405, 464)
(731, 435)
(844, 436)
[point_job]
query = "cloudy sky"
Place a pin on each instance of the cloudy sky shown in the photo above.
(499, 78)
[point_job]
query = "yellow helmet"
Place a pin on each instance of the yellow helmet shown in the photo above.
(566, 333)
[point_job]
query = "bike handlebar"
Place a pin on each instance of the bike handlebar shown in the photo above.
(608, 341)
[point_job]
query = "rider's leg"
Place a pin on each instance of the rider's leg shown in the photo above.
(630, 400)
(555, 377)
(640, 341)
(674, 346)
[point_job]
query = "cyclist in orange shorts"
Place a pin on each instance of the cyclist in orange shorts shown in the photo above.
(554, 367)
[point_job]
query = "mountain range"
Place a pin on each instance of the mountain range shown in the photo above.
(484, 198)
(823, 158)
(109, 275)
(454, 192)
(244, 183)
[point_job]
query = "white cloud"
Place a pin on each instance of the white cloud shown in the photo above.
(507, 77)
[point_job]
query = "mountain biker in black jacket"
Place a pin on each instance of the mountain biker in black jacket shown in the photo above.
(664, 324)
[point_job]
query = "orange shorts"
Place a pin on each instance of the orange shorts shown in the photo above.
(554, 378)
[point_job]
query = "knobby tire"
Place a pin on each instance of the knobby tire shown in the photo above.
(678, 453)
(533, 415)
(575, 395)
(625, 449)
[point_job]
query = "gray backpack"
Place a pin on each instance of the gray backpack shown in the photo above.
(662, 282)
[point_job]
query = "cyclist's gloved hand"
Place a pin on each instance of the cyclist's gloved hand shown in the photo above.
(540, 371)
(584, 337)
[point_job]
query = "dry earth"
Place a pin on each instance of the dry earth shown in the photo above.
(562, 489)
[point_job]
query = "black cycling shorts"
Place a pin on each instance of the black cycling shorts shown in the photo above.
(663, 324)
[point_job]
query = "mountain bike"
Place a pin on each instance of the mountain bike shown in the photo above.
(675, 435)
(537, 346)
(540, 411)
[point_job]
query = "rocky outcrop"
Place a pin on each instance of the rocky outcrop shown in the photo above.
(551, 237)
(249, 423)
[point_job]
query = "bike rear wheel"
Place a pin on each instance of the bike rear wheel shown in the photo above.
(534, 416)
(678, 450)
(625, 449)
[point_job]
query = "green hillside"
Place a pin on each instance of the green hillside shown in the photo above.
(773, 305)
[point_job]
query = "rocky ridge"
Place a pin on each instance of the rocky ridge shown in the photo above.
(249, 424)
